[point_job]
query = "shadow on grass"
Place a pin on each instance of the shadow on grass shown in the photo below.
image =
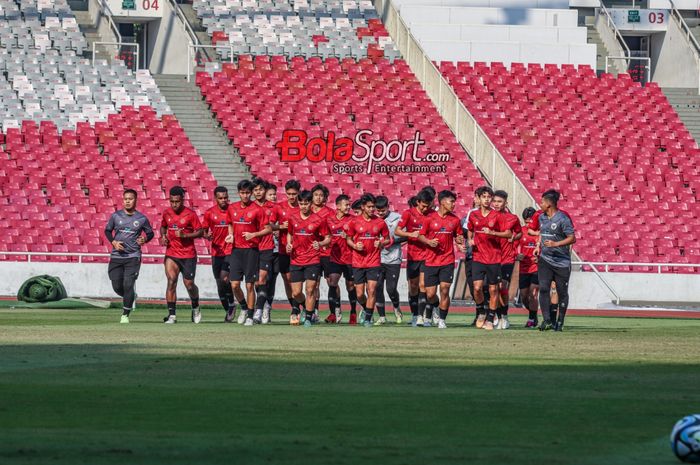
(98, 403)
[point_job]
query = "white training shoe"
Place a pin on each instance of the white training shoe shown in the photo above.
(496, 321)
(248, 322)
(427, 322)
(257, 316)
(338, 316)
(441, 324)
(436, 316)
(266, 313)
(505, 324)
(314, 319)
(172, 319)
(196, 315)
(242, 317)
(420, 320)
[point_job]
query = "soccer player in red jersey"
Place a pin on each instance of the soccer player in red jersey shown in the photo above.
(508, 254)
(179, 228)
(411, 226)
(341, 261)
(248, 223)
(485, 230)
(215, 224)
(271, 196)
(319, 195)
(287, 209)
(442, 229)
(267, 251)
(469, 256)
(307, 234)
(367, 235)
(529, 285)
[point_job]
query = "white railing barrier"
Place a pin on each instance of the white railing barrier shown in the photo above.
(611, 24)
(119, 45)
(191, 54)
(186, 26)
(685, 29)
(647, 67)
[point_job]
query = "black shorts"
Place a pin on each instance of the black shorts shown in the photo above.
(268, 260)
(219, 265)
(285, 263)
(326, 266)
(187, 266)
(435, 275)
(244, 263)
(344, 270)
(301, 273)
(492, 272)
(414, 268)
(529, 279)
(362, 275)
(121, 268)
(507, 271)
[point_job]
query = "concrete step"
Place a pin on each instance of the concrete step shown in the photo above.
(203, 130)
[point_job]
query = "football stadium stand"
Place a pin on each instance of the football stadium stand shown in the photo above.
(618, 151)
(345, 96)
(347, 28)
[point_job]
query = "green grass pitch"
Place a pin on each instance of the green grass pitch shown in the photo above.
(78, 388)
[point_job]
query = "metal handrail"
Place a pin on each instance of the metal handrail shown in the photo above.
(104, 8)
(616, 31)
(628, 59)
(120, 44)
(689, 35)
(185, 22)
(604, 265)
(191, 47)
(685, 29)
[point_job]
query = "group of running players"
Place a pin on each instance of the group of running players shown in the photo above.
(257, 238)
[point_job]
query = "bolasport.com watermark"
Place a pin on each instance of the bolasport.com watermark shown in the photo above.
(361, 154)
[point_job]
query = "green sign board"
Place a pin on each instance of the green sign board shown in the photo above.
(128, 4)
(633, 16)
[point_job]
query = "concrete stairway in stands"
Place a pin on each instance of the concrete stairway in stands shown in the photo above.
(686, 102)
(211, 142)
(594, 38)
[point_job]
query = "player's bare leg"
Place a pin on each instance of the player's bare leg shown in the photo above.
(172, 272)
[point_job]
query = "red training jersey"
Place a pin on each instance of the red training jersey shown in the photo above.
(527, 245)
(487, 248)
(216, 220)
(341, 252)
(508, 246)
(413, 220)
(367, 232)
(325, 213)
(267, 242)
(444, 229)
(246, 219)
(185, 221)
(284, 213)
(304, 232)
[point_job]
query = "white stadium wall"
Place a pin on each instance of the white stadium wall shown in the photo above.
(674, 62)
(504, 31)
(489, 16)
(563, 4)
(497, 33)
(509, 52)
(586, 289)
